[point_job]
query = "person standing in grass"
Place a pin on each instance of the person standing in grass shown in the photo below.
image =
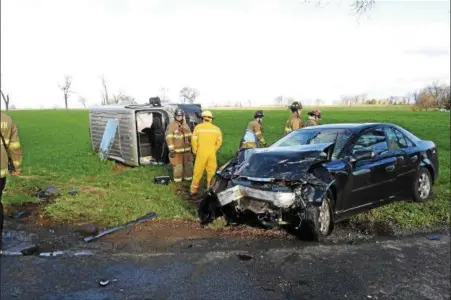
(295, 121)
(11, 157)
(257, 128)
(178, 139)
(207, 139)
(313, 118)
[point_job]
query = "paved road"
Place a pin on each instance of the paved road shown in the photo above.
(408, 268)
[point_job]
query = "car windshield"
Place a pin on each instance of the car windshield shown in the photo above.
(315, 136)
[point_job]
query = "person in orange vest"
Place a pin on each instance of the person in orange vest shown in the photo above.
(178, 139)
(313, 118)
(206, 141)
(11, 157)
(295, 121)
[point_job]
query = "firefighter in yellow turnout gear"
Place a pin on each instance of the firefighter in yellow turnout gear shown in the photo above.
(295, 121)
(257, 128)
(10, 151)
(178, 139)
(206, 141)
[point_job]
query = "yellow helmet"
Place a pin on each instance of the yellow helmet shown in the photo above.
(207, 114)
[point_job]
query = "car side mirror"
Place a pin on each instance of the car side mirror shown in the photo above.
(362, 154)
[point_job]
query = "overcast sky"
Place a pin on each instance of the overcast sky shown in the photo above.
(230, 50)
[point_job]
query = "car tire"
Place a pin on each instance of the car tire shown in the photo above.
(422, 186)
(318, 221)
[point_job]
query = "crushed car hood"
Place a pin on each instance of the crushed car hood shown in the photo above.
(282, 163)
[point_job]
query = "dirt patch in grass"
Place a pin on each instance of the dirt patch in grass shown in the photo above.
(92, 189)
(118, 167)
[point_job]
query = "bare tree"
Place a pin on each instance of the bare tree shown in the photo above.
(439, 93)
(121, 98)
(278, 100)
(358, 7)
(363, 98)
(188, 94)
(164, 95)
(117, 97)
(105, 98)
(65, 87)
(82, 100)
(347, 100)
(433, 96)
(127, 100)
(6, 100)
(289, 100)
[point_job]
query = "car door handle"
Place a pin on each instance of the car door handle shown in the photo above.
(414, 158)
(390, 168)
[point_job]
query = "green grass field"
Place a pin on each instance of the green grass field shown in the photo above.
(57, 152)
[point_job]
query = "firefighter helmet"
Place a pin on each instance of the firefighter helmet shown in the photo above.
(258, 114)
(179, 112)
(207, 114)
(315, 113)
(295, 106)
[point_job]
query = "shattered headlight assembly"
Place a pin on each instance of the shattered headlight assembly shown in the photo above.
(308, 193)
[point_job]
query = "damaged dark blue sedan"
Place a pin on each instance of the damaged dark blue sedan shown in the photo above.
(317, 176)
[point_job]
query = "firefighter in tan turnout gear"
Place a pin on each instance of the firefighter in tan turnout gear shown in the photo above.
(295, 121)
(257, 128)
(313, 118)
(11, 157)
(178, 139)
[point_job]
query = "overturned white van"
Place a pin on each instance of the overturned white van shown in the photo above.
(138, 135)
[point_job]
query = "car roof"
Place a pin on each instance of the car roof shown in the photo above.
(352, 126)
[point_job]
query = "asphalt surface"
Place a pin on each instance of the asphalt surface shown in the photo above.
(403, 268)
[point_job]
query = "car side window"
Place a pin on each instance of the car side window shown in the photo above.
(374, 140)
(403, 139)
(397, 140)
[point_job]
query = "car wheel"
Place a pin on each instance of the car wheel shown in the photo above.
(422, 187)
(318, 221)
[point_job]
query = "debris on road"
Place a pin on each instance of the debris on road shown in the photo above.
(244, 257)
(66, 253)
(433, 237)
(19, 215)
(21, 249)
(145, 218)
(49, 254)
(18, 243)
(87, 229)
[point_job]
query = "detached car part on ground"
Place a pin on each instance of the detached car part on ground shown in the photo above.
(320, 175)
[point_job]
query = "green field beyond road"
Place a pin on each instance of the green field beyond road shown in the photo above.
(57, 152)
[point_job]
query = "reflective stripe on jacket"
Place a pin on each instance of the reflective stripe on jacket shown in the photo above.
(178, 137)
(11, 136)
(206, 136)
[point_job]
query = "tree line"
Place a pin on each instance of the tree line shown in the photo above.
(432, 96)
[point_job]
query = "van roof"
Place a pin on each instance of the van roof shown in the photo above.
(168, 107)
